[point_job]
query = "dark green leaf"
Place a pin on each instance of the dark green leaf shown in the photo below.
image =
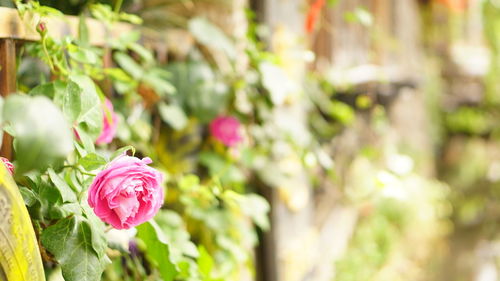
(99, 242)
(67, 194)
(30, 198)
(157, 249)
(70, 241)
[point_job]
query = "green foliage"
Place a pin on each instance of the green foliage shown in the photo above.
(211, 36)
(469, 120)
(71, 241)
(157, 249)
(203, 93)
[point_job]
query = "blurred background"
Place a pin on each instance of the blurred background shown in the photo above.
(373, 127)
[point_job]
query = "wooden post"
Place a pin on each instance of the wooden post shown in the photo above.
(7, 84)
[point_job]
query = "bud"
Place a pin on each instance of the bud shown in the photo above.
(41, 27)
(8, 165)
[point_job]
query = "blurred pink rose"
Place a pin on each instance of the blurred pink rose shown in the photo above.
(227, 130)
(8, 165)
(110, 122)
(127, 192)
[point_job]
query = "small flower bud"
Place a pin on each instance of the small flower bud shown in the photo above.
(41, 28)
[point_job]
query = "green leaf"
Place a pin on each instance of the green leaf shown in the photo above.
(204, 94)
(359, 15)
(210, 35)
(42, 134)
(70, 241)
(67, 193)
(257, 208)
(72, 102)
(173, 115)
(30, 198)
(205, 262)
(145, 54)
(91, 109)
(92, 161)
(67, 95)
(88, 143)
(99, 242)
(173, 227)
(277, 82)
(157, 249)
(84, 55)
(129, 65)
(48, 89)
(131, 18)
(157, 79)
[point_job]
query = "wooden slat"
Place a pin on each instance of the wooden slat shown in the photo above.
(13, 27)
(7, 84)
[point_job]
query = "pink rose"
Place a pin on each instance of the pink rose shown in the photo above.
(8, 165)
(127, 192)
(227, 130)
(110, 122)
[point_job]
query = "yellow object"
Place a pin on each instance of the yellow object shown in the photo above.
(19, 254)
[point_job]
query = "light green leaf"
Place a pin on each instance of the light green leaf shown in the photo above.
(157, 249)
(157, 78)
(173, 115)
(129, 65)
(70, 241)
(67, 193)
(205, 262)
(83, 30)
(210, 35)
(359, 15)
(88, 143)
(92, 161)
(257, 208)
(91, 109)
(72, 104)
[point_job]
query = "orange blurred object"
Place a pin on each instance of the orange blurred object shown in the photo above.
(455, 5)
(313, 14)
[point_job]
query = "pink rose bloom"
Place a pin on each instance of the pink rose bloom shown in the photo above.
(127, 192)
(226, 129)
(110, 122)
(8, 165)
